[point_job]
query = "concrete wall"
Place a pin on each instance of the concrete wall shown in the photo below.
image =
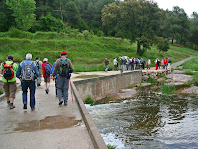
(102, 86)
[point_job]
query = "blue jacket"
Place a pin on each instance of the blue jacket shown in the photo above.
(21, 65)
(53, 69)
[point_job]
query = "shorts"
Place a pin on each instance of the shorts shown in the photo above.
(47, 79)
(10, 89)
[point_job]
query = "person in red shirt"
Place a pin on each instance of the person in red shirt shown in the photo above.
(46, 67)
(165, 63)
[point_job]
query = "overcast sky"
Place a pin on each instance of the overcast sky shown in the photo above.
(188, 5)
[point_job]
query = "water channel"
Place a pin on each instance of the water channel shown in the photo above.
(148, 121)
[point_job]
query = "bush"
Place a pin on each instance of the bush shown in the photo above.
(151, 80)
(89, 100)
(168, 89)
(1, 92)
(111, 146)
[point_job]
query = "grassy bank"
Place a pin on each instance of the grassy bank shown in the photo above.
(86, 52)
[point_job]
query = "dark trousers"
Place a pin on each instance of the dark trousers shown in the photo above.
(31, 85)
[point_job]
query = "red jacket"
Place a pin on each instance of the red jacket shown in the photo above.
(165, 61)
(43, 65)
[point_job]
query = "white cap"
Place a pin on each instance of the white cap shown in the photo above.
(45, 60)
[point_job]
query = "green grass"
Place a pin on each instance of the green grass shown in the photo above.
(168, 89)
(151, 80)
(111, 146)
(86, 54)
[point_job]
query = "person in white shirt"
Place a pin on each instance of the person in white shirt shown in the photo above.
(115, 62)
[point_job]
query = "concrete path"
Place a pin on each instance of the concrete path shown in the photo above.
(50, 126)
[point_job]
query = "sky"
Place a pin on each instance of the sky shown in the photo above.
(189, 6)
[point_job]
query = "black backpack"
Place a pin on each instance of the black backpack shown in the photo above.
(8, 72)
(64, 70)
(37, 65)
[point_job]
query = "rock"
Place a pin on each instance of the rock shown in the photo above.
(161, 79)
(145, 77)
(145, 84)
(180, 77)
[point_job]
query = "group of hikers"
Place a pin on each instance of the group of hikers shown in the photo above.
(132, 63)
(30, 72)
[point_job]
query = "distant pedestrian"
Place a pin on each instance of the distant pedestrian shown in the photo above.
(121, 64)
(169, 62)
(115, 63)
(156, 66)
(165, 63)
(46, 67)
(55, 77)
(27, 72)
(162, 63)
(39, 66)
(132, 63)
(8, 69)
(158, 63)
(106, 64)
(148, 63)
(127, 63)
(63, 67)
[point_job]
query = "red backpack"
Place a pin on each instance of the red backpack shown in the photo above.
(8, 72)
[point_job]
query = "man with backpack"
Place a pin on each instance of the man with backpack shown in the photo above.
(39, 66)
(46, 66)
(8, 69)
(63, 67)
(27, 72)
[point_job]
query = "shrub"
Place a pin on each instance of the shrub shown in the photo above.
(111, 146)
(168, 89)
(89, 100)
(151, 80)
(1, 92)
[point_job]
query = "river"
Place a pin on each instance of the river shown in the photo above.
(148, 121)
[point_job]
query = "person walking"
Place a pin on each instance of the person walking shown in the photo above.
(8, 69)
(121, 64)
(39, 66)
(148, 63)
(162, 63)
(115, 62)
(156, 66)
(55, 75)
(132, 63)
(106, 64)
(62, 68)
(27, 72)
(46, 67)
(127, 63)
(165, 63)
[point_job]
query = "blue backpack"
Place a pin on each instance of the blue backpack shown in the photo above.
(64, 70)
(48, 68)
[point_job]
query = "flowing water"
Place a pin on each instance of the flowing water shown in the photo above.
(148, 121)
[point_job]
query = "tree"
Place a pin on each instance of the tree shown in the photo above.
(137, 20)
(194, 30)
(23, 13)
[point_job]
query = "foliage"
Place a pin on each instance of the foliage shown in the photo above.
(163, 44)
(168, 89)
(151, 80)
(89, 100)
(1, 92)
(191, 64)
(135, 20)
(23, 13)
(188, 72)
(111, 146)
(194, 31)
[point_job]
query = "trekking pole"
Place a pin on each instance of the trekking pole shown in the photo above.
(71, 90)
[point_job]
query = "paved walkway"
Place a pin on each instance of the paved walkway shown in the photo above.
(48, 127)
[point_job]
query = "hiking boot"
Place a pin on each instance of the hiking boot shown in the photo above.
(25, 106)
(32, 109)
(47, 91)
(60, 102)
(8, 102)
(65, 103)
(12, 106)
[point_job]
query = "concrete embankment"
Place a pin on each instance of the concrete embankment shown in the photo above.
(102, 86)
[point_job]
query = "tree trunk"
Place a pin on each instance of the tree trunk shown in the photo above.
(138, 48)
(172, 40)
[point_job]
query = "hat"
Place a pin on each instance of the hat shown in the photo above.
(63, 53)
(45, 59)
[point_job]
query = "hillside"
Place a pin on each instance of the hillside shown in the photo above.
(86, 52)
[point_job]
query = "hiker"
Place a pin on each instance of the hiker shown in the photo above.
(127, 63)
(162, 63)
(106, 64)
(132, 63)
(169, 62)
(27, 73)
(121, 64)
(39, 66)
(143, 63)
(8, 69)
(62, 68)
(46, 67)
(115, 62)
(165, 63)
(156, 66)
(158, 63)
(148, 63)
(55, 75)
